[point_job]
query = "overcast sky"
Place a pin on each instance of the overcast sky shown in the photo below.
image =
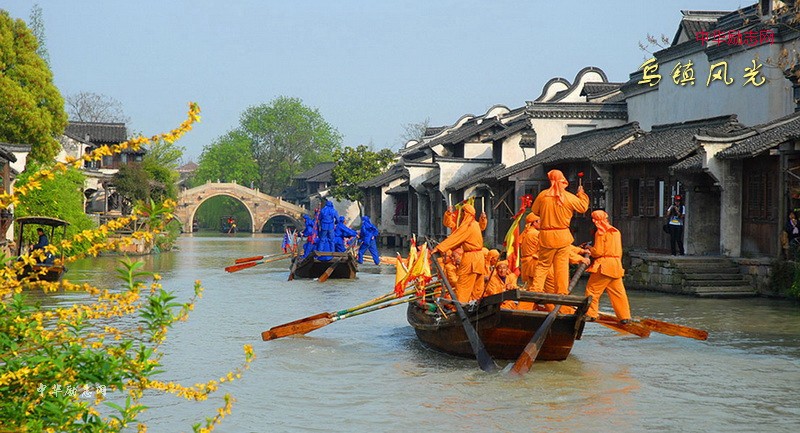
(369, 66)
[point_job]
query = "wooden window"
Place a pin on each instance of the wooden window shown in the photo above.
(759, 188)
(624, 198)
(635, 196)
(649, 198)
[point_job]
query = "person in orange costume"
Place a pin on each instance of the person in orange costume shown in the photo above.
(450, 219)
(606, 270)
(555, 207)
(451, 265)
(491, 263)
(467, 236)
(502, 279)
(529, 249)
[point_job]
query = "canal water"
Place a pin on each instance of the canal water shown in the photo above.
(370, 374)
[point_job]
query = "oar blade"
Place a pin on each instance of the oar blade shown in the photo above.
(674, 329)
(298, 327)
(239, 267)
(248, 259)
(630, 328)
(327, 274)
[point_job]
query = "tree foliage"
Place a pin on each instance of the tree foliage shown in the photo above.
(356, 165)
(84, 367)
(31, 107)
(58, 198)
(286, 138)
(413, 131)
(228, 159)
(36, 23)
(94, 107)
(161, 161)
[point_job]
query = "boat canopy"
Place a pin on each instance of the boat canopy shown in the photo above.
(42, 220)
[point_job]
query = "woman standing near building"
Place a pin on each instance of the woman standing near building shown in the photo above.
(676, 215)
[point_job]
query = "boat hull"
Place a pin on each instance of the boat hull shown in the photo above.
(312, 267)
(504, 333)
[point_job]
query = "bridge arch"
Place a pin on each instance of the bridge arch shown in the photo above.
(261, 207)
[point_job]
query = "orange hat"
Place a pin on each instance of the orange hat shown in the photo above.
(558, 184)
(531, 218)
(469, 209)
(494, 254)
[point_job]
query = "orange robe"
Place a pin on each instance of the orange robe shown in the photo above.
(555, 236)
(528, 254)
(606, 275)
(468, 236)
(499, 285)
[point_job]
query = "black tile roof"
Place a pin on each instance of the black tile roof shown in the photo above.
(692, 164)
(761, 138)
(577, 147)
(399, 189)
(667, 143)
(325, 176)
(593, 90)
(462, 133)
(315, 170)
(510, 129)
(433, 130)
(394, 172)
(7, 154)
(97, 132)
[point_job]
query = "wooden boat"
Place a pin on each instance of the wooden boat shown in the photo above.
(504, 332)
(52, 272)
(311, 266)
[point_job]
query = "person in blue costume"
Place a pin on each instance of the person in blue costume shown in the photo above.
(340, 232)
(310, 233)
(369, 238)
(327, 222)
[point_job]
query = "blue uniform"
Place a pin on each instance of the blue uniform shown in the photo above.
(327, 221)
(369, 241)
(310, 234)
(340, 232)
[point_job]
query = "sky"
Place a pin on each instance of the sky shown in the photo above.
(369, 66)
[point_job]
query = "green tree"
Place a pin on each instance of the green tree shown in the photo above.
(286, 138)
(37, 28)
(31, 107)
(61, 197)
(161, 162)
(228, 159)
(354, 166)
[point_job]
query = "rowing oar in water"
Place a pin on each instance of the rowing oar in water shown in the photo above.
(635, 328)
(384, 260)
(240, 266)
(665, 328)
(528, 355)
(310, 323)
(252, 259)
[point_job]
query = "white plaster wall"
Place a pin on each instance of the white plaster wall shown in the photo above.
(550, 131)
(753, 105)
(477, 150)
(387, 209)
(512, 153)
(552, 89)
(575, 95)
(451, 172)
(417, 175)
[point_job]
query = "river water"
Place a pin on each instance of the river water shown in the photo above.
(370, 374)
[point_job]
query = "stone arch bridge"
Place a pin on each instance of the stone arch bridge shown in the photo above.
(262, 207)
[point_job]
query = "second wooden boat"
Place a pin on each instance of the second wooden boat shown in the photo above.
(313, 266)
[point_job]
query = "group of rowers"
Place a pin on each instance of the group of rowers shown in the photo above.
(546, 250)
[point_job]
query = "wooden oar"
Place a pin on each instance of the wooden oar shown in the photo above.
(661, 327)
(311, 323)
(293, 267)
(327, 274)
(485, 361)
(635, 328)
(240, 266)
(528, 355)
(251, 259)
(384, 260)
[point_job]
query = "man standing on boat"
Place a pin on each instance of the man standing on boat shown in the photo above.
(369, 236)
(606, 271)
(471, 272)
(529, 249)
(555, 207)
(340, 232)
(309, 233)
